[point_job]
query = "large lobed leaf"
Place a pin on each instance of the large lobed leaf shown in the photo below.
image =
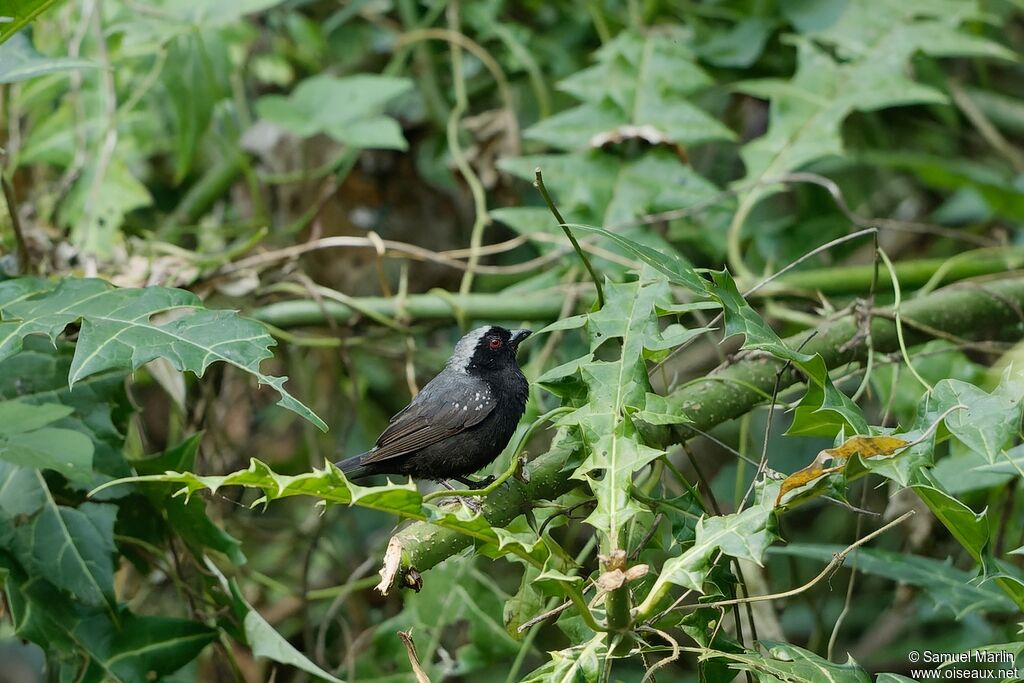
(860, 63)
(72, 548)
(615, 389)
(744, 535)
(123, 329)
(347, 109)
(640, 85)
(785, 662)
(92, 647)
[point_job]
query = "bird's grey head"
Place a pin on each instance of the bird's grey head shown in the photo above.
(489, 347)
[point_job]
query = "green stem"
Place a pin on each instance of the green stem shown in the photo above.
(539, 184)
(960, 310)
(837, 281)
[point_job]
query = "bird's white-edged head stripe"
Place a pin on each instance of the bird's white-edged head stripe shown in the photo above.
(464, 350)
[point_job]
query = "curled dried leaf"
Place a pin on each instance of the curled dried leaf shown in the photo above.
(612, 580)
(391, 565)
(414, 660)
(866, 446)
(636, 572)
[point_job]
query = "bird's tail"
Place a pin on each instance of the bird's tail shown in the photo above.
(354, 468)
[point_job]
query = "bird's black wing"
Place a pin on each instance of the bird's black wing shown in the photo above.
(438, 412)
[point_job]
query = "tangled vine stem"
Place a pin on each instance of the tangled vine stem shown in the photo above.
(539, 184)
(968, 308)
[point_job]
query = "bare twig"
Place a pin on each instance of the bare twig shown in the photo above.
(414, 660)
(539, 184)
(835, 563)
(25, 265)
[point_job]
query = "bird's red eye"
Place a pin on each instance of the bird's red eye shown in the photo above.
(495, 343)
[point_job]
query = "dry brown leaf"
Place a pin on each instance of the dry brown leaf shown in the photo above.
(392, 563)
(867, 446)
(414, 660)
(612, 580)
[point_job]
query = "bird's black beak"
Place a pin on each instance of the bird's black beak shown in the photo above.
(517, 336)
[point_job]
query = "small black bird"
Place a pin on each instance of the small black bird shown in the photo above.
(461, 420)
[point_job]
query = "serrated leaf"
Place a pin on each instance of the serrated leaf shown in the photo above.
(947, 586)
(640, 81)
(330, 486)
(860, 62)
(785, 662)
(823, 410)
(669, 263)
(347, 109)
(119, 331)
(987, 422)
(614, 450)
(187, 516)
(88, 641)
(72, 548)
(744, 535)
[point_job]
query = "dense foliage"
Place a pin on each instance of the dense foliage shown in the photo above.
(770, 249)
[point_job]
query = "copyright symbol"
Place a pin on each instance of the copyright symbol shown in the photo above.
(914, 656)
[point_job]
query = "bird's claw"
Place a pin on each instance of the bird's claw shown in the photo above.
(476, 485)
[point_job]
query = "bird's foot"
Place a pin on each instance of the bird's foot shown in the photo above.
(472, 503)
(476, 485)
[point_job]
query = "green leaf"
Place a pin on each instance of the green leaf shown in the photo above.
(72, 548)
(579, 664)
(824, 410)
(91, 644)
(261, 637)
(96, 206)
(744, 535)
(19, 60)
(196, 79)
(968, 527)
(119, 330)
(613, 446)
(347, 109)
(101, 408)
(987, 422)
(17, 14)
(330, 486)
(527, 603)
(599, 188)
(63, 450)
(661, 410)
(786, 662)
(669, 263)
(641, 83)
(947, 586)
(187, 516)
(860, 62)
